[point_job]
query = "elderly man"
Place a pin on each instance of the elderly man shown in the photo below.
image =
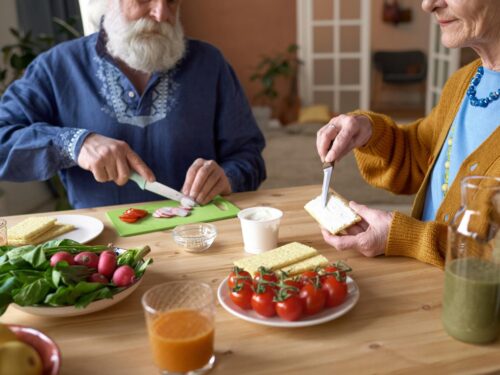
(136, 96)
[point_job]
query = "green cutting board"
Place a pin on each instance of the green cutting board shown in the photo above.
(218, 209)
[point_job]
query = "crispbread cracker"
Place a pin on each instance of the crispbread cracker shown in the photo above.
(277, 258)
(30, 228)
(305, 265)
(55, 231)
(336, 216)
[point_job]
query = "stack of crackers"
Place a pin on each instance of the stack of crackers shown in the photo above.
(293, 258)
(35, 230)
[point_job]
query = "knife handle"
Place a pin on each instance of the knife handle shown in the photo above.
(328, 164)
(138, 179)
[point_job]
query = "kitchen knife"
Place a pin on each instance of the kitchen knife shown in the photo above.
(327, 176)
(163, 190)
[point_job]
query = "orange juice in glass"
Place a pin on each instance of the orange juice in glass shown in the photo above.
(180, 321)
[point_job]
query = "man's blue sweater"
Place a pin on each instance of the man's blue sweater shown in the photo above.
(195, 110)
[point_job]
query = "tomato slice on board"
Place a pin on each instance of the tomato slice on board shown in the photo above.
(136, 212)
(128, 219)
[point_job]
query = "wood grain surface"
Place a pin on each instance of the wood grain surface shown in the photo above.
(394, 328)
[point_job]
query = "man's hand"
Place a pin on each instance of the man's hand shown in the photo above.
(205, 179)
(111, 160)
(341, 135)
(369, 236)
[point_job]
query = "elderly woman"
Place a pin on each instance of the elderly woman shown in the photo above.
(429, 157)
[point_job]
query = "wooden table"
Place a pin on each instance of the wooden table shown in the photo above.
(394, 328)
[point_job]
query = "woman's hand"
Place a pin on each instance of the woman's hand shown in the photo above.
(111, 160)
(205, 179)
(341, 135)
(369, 236)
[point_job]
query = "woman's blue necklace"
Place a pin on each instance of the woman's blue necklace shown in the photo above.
(471, 92)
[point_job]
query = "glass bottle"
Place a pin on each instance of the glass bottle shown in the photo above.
(471, 300)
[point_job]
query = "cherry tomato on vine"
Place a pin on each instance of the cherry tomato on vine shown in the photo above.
(293, 282)
(313, 297)
(308, 277)
(336, 291)
(241, 295)
(331, 269)
(265, 274)
(237, 276)
(263, 301)
(290, 308)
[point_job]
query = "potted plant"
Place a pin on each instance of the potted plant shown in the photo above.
(269, 70)
(17, 56)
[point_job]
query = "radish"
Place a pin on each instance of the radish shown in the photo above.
(86, 258)
(61, 256)
(98, 278)
(124, 276)
(107, 263)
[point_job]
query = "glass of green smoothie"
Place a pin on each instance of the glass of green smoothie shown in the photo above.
(471, 300)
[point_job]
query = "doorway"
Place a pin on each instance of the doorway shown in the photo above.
(335, 36)
(340, 38)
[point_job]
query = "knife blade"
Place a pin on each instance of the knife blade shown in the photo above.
(327, 176)
(163, 190)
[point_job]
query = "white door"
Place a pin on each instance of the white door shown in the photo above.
(334, 44)
(442, 62)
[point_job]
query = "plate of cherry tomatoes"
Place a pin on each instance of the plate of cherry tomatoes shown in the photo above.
(271, 299)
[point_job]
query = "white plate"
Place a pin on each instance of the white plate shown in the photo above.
(324, 316)
(86, 227)
(68, 311)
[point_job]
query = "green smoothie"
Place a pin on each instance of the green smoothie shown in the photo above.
(471, 302)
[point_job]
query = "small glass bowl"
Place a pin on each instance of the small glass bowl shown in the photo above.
(195, 238)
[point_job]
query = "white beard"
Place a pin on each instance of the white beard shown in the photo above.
(144, 45)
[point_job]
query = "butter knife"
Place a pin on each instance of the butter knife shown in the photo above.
(163, 190)
(327, 176)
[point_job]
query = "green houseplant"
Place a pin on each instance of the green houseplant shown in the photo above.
(271, 69)
(17, 56)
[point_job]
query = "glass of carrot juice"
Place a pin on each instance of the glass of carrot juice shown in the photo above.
(180, 323)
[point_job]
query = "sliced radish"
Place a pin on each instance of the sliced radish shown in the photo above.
(166, 212)
(181, 212)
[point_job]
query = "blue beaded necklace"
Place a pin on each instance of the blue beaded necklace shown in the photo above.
(471, 92)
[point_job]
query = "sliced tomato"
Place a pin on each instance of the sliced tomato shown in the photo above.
(136, 212)
(128, 219)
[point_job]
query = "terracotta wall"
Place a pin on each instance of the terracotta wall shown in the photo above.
(243, 30)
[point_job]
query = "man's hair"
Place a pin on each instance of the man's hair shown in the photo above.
(92, 12)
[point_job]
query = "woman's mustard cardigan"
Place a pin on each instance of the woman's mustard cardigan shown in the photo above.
(400, 158)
